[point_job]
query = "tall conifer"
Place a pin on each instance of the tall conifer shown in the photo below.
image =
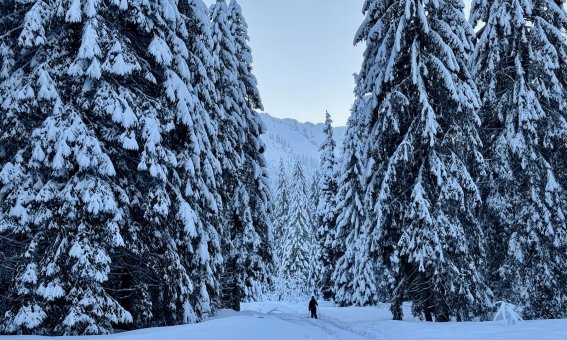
(421, 157)
(519, 64)
(100, 186)
(326, 215)
(298, 241)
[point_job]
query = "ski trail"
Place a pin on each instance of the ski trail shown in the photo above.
(330, 327)
(362, 333)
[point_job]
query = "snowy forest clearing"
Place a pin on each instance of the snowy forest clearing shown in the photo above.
(135, 192)
(281, 320)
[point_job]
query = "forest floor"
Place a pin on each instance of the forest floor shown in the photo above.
(279, 320)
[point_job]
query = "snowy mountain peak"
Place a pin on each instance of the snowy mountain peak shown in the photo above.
(290, 141)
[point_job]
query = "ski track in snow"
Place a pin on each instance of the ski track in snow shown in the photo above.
(333, 328)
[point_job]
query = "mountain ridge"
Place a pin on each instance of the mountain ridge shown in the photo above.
(289, 140)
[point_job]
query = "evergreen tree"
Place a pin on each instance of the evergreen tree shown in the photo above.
(248, 82)
(519, 64)
(281, 212)
(313, 195)
(254, 174)
(326, 215)
(231, 134)
(422, 157)
(201, 180)
(231, 109)
(297, 248)
(96, 185)
(13, 134)
(354, 277)
(246, 227)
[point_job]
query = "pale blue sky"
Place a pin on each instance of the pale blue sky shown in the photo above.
(304, 58)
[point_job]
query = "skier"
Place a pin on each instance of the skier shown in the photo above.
(313, 307)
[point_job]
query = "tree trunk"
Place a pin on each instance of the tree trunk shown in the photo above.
(441, 309)
(236, 297)
(396, 308)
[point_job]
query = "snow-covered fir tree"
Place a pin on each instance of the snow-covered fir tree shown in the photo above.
(59, 180)
(200, 179)
(229, 145)
(13, 134)
(255, 253)
(421, 158)
(281, 211)
(314, 194)
(326, 213)
(244, 186)
(110, 174)
(519, 64)
(247, 80)
(354, 277)
(297, 254)
(231, 113)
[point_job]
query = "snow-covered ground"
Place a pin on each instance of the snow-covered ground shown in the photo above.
(276, 320)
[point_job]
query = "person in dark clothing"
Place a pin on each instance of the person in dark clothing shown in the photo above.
(313, 307)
